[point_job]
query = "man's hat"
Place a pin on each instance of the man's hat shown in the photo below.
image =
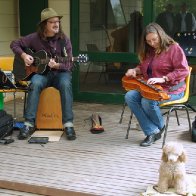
(48, 13)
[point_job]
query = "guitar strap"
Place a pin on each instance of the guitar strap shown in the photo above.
(177, 86)
(63, 48)
(149, 69)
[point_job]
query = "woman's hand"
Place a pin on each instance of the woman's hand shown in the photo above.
(155, 80)
(131, 72)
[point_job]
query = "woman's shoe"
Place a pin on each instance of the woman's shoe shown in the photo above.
(96, 124)
(158, 135)
(150, 139)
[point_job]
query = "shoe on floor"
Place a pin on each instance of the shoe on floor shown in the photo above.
(96, 124)
(70, 133)
(150, 139)
(25, 132)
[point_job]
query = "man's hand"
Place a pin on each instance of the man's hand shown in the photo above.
(28, 59)
(53, 64)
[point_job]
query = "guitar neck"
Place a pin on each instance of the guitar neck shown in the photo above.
(45, 61)
(65, 59)
(149, 85)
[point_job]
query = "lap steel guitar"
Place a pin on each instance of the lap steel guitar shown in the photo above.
(149, 91)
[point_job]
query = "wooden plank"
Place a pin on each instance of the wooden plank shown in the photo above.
(98, 164)
(6, 192)
(38, 189)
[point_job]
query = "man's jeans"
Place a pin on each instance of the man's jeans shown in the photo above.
(147, 112)
(59, 80)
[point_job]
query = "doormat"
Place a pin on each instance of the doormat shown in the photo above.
(53, 135)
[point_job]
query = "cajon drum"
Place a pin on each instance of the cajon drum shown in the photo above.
(49, 113)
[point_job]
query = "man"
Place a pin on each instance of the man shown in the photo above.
(185, 21)
(166, 20)
(49, 37)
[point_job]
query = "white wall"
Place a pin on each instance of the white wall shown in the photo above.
(8, 32)
(8, 25)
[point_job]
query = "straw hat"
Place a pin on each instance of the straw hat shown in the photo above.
(48, 13)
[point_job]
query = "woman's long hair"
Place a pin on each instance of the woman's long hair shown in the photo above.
(41, 31)
(165, 40)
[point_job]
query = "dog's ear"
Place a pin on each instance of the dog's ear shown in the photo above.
(164, 157)
(182, 157)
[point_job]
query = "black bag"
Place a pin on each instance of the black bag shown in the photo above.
(38, 140)
(6, 124)
(194, 130)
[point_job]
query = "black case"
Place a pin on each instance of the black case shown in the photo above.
(38, 140)
(194, 130)
(6, 124)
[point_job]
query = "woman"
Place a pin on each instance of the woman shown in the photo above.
(163, 62)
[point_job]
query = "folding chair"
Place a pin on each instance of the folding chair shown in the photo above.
(6, 65)
(180, 104)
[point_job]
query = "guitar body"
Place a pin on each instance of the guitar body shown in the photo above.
(22, 72)
(40, 64)
(153, 92)
(19, 70)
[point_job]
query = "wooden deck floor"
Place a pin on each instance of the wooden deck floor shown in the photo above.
(97, 164)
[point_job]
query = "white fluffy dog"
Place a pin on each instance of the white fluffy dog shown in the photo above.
(172, 173)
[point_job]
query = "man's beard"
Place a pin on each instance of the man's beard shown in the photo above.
(56, 30)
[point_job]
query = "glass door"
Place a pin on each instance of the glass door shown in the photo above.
(109, 32)
(108, 27)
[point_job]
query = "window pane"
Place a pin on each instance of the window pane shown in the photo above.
(108, 26)
(175, 15)
(112, 25)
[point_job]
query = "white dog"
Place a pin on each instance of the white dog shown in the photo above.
(172, 173)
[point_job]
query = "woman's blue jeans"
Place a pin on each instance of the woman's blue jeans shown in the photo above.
(59, 80)
(147, 112)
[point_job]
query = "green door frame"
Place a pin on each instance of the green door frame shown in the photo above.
(107, 57)
(29, 14)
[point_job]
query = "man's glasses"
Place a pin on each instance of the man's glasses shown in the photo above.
(54, 22)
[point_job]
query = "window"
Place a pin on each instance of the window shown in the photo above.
(107, 13)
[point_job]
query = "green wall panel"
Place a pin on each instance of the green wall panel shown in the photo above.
(30, 14)
(1, 101)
